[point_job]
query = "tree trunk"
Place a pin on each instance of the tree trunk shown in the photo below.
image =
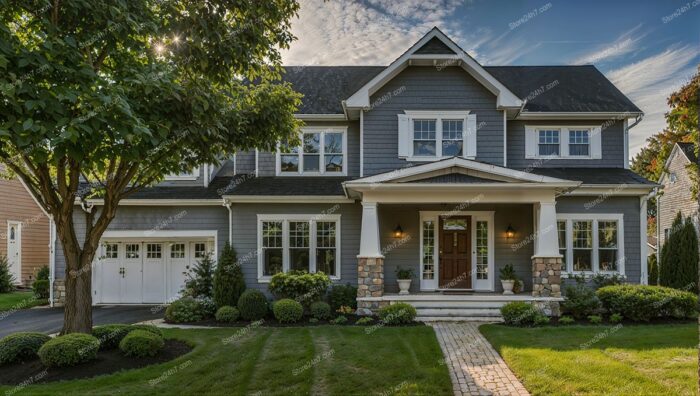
(77, 313)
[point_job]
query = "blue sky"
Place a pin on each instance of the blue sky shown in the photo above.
(647, 48)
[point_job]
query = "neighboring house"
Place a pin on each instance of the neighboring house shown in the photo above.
(24, 231)
(676, 194)
(433, 163)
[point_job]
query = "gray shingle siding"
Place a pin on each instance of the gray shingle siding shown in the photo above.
(426, 88)
(675, 197)
(245, 162)
(613, 146)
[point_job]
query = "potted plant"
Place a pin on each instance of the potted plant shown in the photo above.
(508, 278)
(403, 277)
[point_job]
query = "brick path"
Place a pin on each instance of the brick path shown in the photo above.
(475, 367)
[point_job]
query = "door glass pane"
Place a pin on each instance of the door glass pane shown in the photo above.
(132, 250)
(482, 250)
(428, 249)
(299, 245)
(177, 250)
(12, 233)
(200, 249)
(454, 224)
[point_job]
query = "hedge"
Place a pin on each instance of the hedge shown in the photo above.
(643, 303)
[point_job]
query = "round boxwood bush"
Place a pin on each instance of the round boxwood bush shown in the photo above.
(520, 313)
(21, 346)
(184, 310)
(148, 328)
(643, 303)
(288, 311)
(41, 288)
(227, 314)
(111, 335)
(69, 350)
(397, 313)
(320, 310)
(141, 343)
(581, 301)
(252, 305)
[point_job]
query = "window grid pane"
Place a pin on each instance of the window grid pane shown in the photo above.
(132, 250)
(272, 247)
(561, 233)
(548, 141)
(424, 139)
(607, 245)
(428, 249)
(200, 249)
(154, 250)
(482, 250)
(583, 245)
(111, 250)
(326, 254)
(177, 250)
(299, 245)
(452, 139)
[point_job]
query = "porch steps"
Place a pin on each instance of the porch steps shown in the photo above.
(454, 307)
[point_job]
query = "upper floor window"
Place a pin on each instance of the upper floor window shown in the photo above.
(673, 178)
(192, 175)
(323, 151)
(561, 142)
(429, 135)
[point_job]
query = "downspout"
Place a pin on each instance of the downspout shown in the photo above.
(637, 120)
(230, 222)
(52, 258)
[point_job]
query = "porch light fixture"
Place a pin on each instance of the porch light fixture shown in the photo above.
(510, 232)
(398, 231)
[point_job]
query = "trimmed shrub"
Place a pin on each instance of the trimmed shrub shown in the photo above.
(148, 328)
(21, 346)
(252, 305)
(43, 273)
(364, 321)
(141, 343)
(566, 320)
(69, 350)
(227, 314)
(398, 313)
(679, 256)
(643, 303)
(7, 280)
(339, 320)
(228, 279)
(653, 270)
(581, 301)
(299, 285)
(111, 335)
(541, 320)
(320, 310)
(40, 287)
(342, 295)
(313, 320)
(520, 313)
(602, 280)
(184, 310)
(345, 310)
(199, 279)
(595, 319)
(207, 305)
(615, 318)
(288, 311)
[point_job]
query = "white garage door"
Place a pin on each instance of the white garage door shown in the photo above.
(144, 272)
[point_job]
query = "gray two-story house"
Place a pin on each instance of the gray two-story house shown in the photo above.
(433, 163)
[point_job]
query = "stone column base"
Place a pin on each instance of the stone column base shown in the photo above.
(369, 308)
(549, 308)
(370, 283)
(59, 292)
(546, 276)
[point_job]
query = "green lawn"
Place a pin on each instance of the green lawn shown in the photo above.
(632, 360)
(19, 300)
(283, 361)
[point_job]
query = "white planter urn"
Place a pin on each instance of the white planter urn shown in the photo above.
(404, 285)
(508, 286)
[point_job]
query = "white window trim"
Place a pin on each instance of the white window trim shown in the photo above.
(438, 116)
(312, 219)
(563, 140)
(184, 176)
(322, 161)
(595, 218)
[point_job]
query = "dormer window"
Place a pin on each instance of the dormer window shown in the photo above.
(426, 135)
(192, 175)
(323, 151)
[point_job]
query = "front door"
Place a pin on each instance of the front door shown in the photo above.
(455, 253)
(14, 249)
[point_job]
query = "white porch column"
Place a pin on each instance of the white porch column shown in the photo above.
(369, 238)
(546, 240)
(546, 262)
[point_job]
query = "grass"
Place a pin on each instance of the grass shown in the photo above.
(631, 360)
(19, 300)
(324, 360)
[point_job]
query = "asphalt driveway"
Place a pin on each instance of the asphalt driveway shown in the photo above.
(50, 320)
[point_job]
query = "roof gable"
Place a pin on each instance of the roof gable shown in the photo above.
(435, 46)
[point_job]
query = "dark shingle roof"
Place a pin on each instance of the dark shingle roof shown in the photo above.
(607, 176)
(689, 151)
(563, 88)
(289, 186)
(213, 191)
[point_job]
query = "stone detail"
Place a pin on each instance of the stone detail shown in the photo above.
(370, 283)
(546, 276)
(59, 292)
(549, 308)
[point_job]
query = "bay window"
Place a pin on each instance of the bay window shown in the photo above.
(323, 151)
(308, 243)
(591, 243)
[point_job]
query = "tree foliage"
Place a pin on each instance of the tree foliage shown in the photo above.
(103, 98)
(199, 278)
(228, 278)
(679, 256)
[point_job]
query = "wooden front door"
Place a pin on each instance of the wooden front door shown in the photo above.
(455, 253)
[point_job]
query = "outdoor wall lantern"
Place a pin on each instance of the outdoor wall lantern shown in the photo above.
(510, 232)
(398, 231)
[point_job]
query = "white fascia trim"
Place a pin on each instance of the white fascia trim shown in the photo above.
(159, 202)
(287, 199)
(140, 234)
(320, 117)
(464, 163)
(505, 98)
(529, 115)
(456, 186)
(437, 113)
(610, 190)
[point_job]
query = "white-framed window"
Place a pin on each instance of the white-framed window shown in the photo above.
(298, 242)
(132, 250)
(177, 250)
(111, 250)
(154, 250)
(323, 151)
(192, 175)
(200, 250)
(561, 142)
(427, 135)
(673, 178)
(592, 242)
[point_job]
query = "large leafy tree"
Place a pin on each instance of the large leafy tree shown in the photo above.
(103, 98)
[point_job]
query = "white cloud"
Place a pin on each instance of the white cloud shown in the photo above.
(649, 82)
(625, 44)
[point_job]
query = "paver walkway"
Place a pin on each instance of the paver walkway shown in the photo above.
(475, 367)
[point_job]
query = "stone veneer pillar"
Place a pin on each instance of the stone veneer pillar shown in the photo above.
(59, 292)
(546, 276)
(370, 283)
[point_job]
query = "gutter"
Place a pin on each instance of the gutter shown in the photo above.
(230, 222)
(637, 120)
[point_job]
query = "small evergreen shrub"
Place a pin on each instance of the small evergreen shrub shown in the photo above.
(21, 346)
(69, 350)
(653, 270)
(566, 320)
(581, 301)
(40, 287)
(199, 279)
(227, 314)
(228, 279)
(679, 257)
(364, 321)
(342, 295)
(44, 273)
(399, 313)
(7, 280)
(141, 343)
(339, 320)
(299, 285)
(643, 303)
(252, 305)
(288, 311)
(615, 318)
(148, 328)
(207, 305)
(111, 335)
(541, 320)
(313, 320)
(595, 319)
(320, 310)
(520, 313)
(184, 310)
(602, 280)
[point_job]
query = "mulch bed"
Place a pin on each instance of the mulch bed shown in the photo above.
(272, 322)
(107, 362)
